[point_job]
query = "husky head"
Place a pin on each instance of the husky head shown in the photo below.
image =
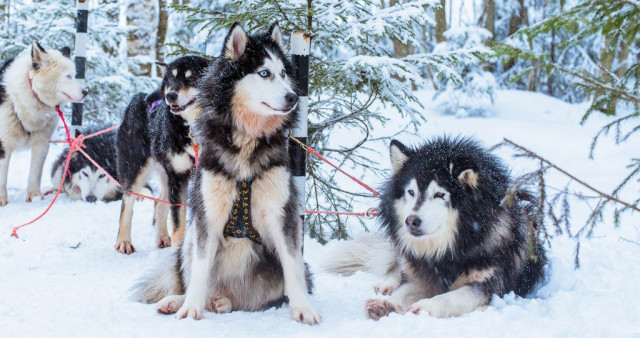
(179, 82)
(53, 76)
(436, 189)
(252, 83)
(91, 185)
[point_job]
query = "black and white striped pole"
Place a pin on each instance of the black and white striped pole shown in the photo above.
(82, 23)
(300, 45)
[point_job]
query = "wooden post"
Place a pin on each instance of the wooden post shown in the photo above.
(82, 23)
(300, 46)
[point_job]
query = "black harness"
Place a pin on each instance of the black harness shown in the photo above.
(239, 224)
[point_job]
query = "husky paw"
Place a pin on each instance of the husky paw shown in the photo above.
(426, 306)
(190, 311)
(32, 195)
(163, 242)
(221, 305)
(307, 315)
(386, 288)
(170, 304)
(378, 308)
(125, 247)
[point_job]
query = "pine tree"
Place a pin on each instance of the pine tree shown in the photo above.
(353, 76)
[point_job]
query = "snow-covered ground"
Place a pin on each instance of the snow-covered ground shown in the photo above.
(62, 277)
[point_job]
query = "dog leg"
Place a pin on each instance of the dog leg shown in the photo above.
(220, 304)
(170, 304)
(38, 156)
(178, 184)
(390, 284)
(123, 242)
(203, 257)
(451, 304)
(4, 173)
(407, 293)
(161, 211)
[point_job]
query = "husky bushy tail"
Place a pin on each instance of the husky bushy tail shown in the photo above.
(368, 253)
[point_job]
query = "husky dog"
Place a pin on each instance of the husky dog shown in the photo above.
(84, 181)
(155, 137)
(31, 85)
(242, 250)
(456, 237)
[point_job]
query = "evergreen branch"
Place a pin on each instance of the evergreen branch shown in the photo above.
(280, 10)
(564, 172)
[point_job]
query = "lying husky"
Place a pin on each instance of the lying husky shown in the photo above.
(31, 85)
(455, 239)
(84, 181)
(243, 249)
(155, 138)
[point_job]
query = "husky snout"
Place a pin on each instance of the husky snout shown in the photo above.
(414, 225)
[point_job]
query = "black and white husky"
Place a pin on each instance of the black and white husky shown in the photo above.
(455, 239)
(155, 137)
(242, 250)
(31, 85)
(84, 181)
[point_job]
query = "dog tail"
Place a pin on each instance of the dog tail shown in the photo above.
(369, 253)
(162, 280)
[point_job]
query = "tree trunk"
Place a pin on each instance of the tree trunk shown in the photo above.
(400, 49)
(489, 16)
(163, 21)
(441, 22)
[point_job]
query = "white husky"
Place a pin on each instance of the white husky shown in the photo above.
(31, 85)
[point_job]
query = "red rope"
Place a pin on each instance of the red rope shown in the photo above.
(373, 212)
(76, 144)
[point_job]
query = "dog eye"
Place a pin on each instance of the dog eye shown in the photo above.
(264, 73)
(101, 176)
(411, 193)
(85, 174)
(282, 73)
(439, 195)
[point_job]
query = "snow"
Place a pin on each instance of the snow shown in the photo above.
(62, 277)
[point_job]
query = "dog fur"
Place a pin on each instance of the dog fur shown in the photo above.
(456, 239)
(31, 85)
(84, 181)
(248, 103)
(157, 140)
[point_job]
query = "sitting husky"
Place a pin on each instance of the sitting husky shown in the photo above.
(84, 181)
(454, 237)
(31, 85)
(243, 248)
(155, 137)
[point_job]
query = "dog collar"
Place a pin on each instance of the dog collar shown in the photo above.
(152, 108)
(239, 224)
(33, 91)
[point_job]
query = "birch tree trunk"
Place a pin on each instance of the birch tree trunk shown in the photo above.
(161, 35)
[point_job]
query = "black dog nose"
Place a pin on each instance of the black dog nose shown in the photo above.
(291, 98)
(85, 92)
(413, 222)
(172, 97)
(91, 199)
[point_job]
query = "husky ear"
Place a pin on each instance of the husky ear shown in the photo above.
(276, 34)
(235, 43)
(468, 177)
(162, 66)
(399, 155)
(66, 52)
(38, 55)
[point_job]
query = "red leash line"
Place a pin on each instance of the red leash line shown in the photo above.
(76, 144)
(311, 150)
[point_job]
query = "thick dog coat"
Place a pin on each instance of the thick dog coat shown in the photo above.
(155, 138)
(254, 261)
(31, 85)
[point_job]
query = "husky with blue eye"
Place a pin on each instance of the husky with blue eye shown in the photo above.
(84, 181)
(452, 237)
(242, 250)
